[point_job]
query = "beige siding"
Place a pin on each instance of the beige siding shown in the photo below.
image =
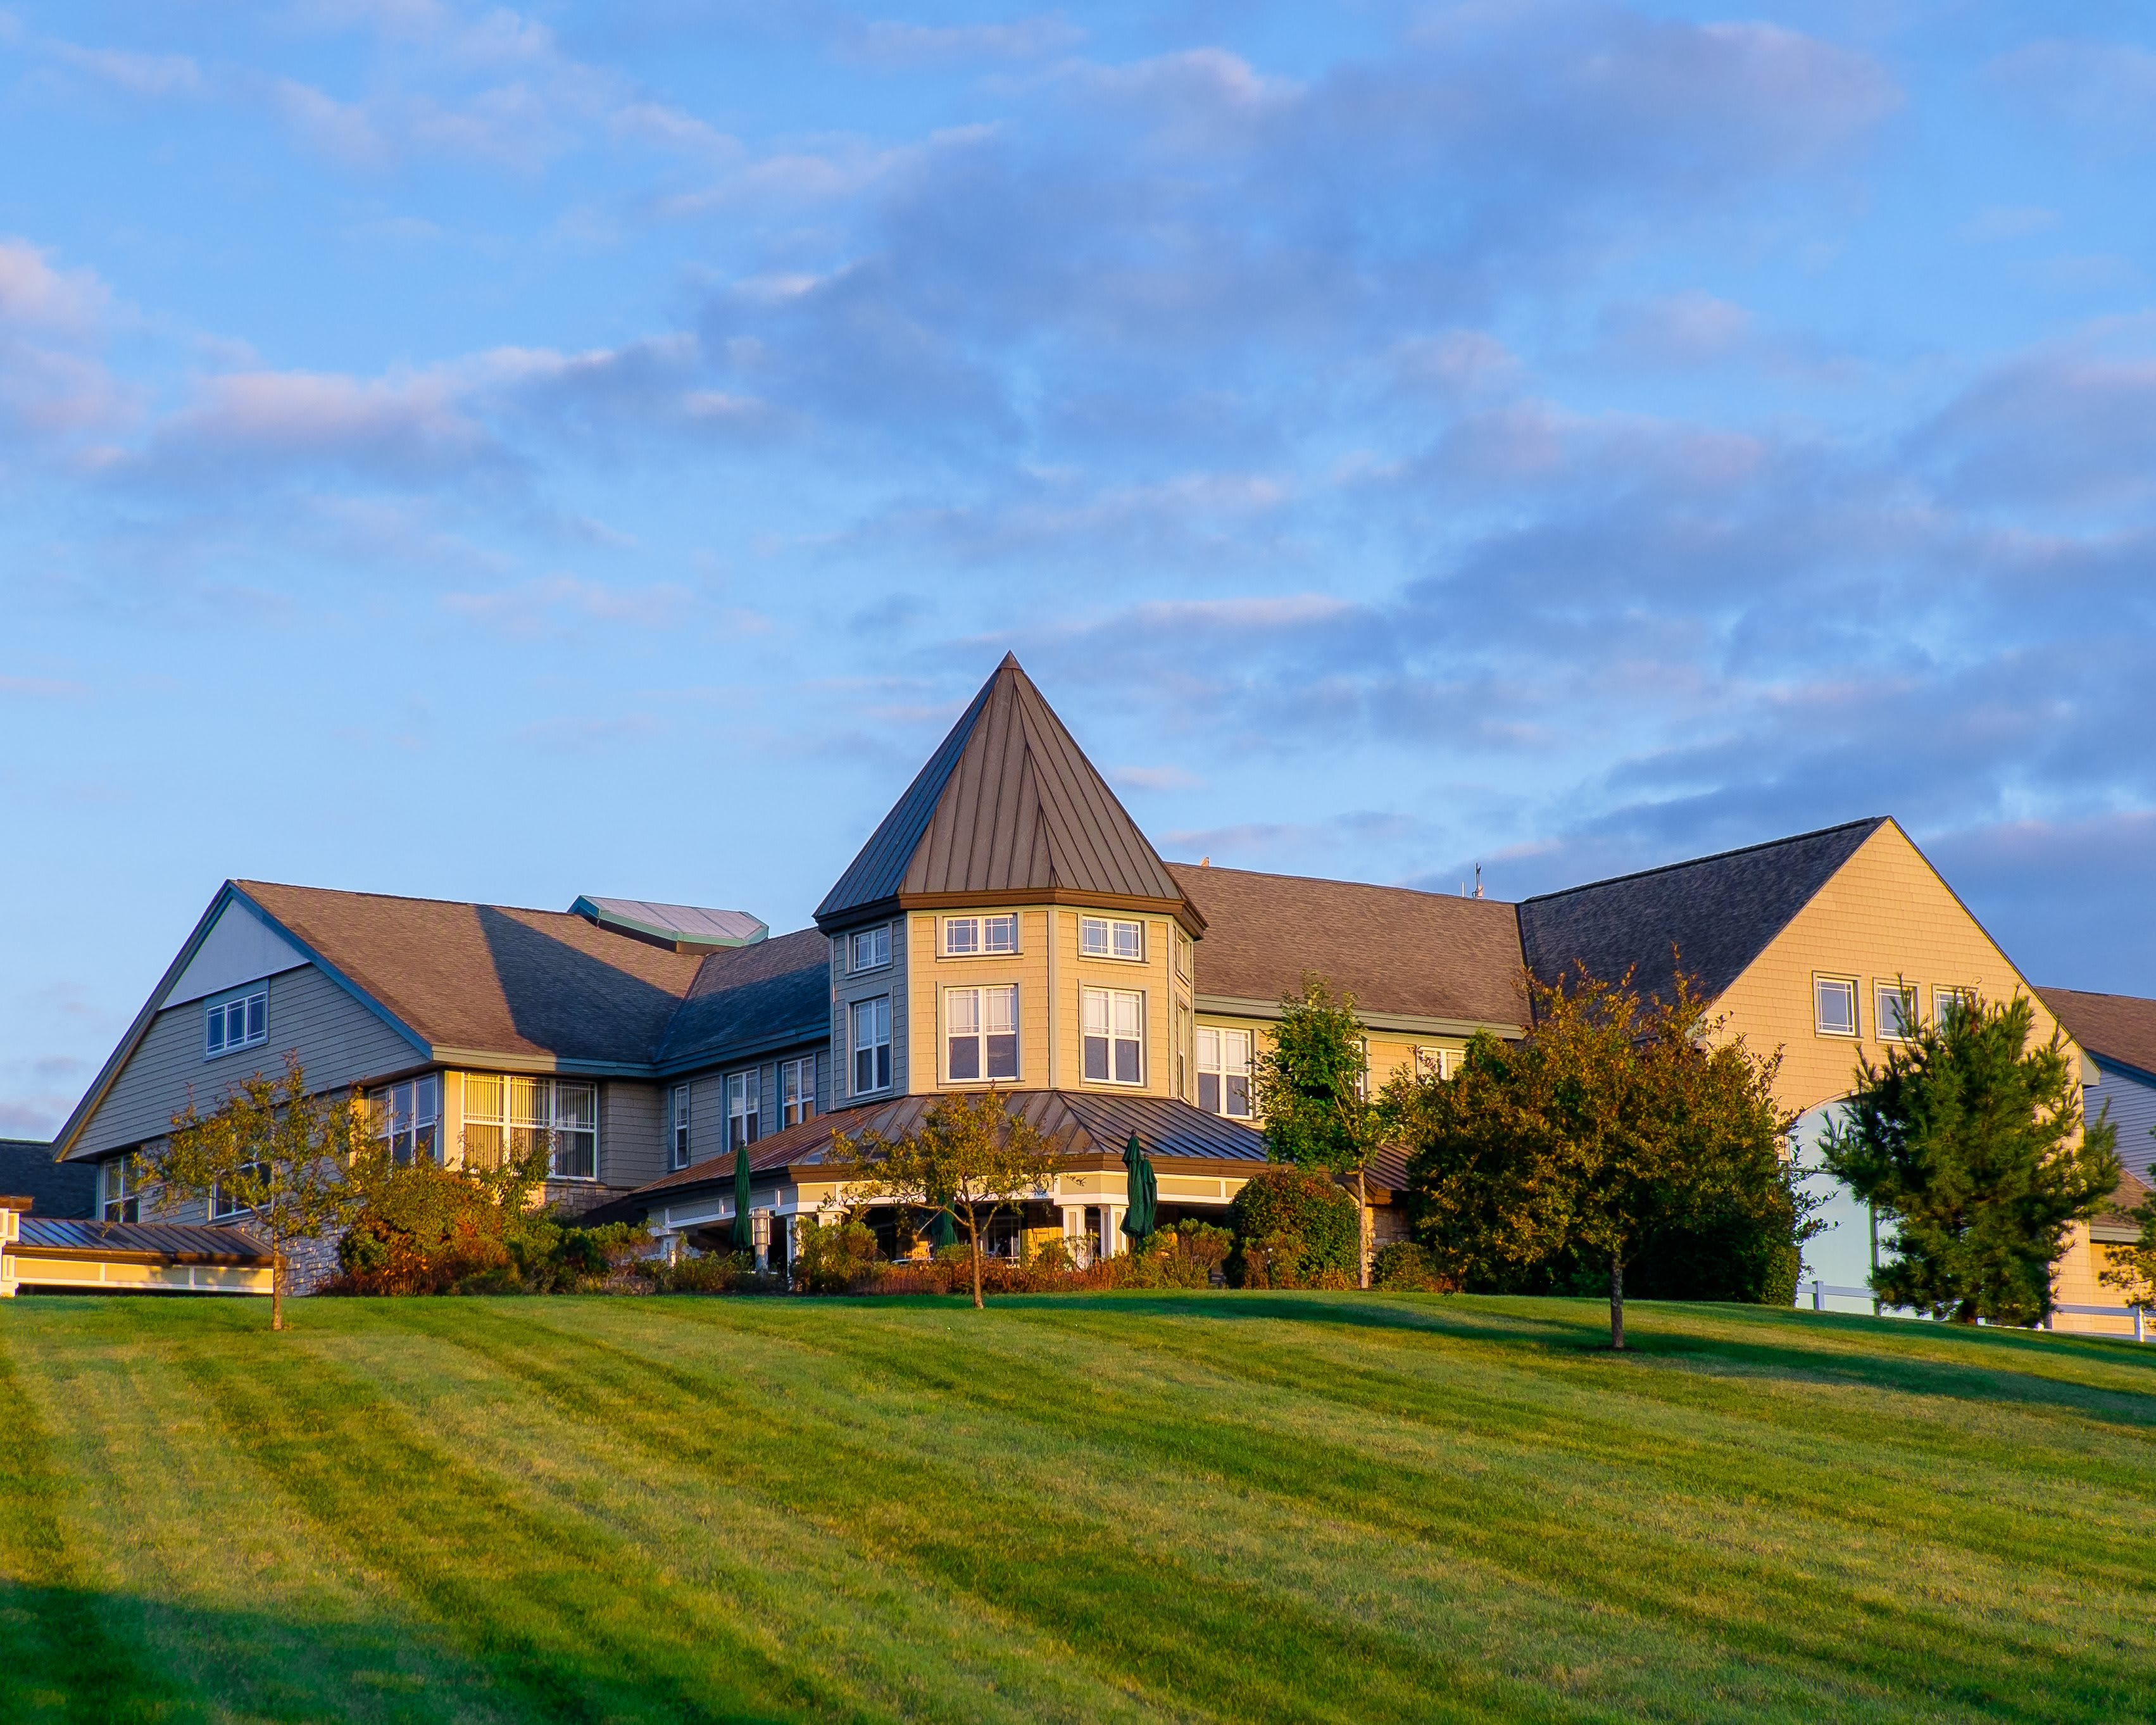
(632, 1132)
(1884, 916)
(338, 1041)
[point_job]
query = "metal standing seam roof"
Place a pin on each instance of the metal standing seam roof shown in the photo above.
(1715, 913)
(1076, 1123)
(1008, 803)
(180, 1242)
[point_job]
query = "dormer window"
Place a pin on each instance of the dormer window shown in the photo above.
(235, 1022)
(1111, 937)
(965, 936)
(872, 947)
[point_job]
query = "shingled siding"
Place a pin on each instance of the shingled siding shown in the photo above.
(339, 1041)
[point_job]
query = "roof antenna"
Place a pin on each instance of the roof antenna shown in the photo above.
(1478, 879)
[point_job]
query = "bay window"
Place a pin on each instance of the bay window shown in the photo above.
(1114, 1035)
(870, 947)
(508, 1117)
(980, 1033)
(963, 936)
(1111, 937)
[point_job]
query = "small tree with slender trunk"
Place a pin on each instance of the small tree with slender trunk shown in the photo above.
(274, 1150)
(1970, 1138)
(968, 1159)
(1312, 1086)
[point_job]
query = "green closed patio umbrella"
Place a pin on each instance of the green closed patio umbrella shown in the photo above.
(1142, 1215)
(942, 1232)
(744, 1231)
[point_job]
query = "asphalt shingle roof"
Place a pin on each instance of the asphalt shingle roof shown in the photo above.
(775, 992)
(1715, 913)
(54, 1188)
(2118, 1027)
(1418, 954)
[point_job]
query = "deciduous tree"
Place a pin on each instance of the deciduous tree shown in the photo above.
(1311, 1089)
(1621, 1125)
(968, 1160)
(274, 1150)
(1969, 1139)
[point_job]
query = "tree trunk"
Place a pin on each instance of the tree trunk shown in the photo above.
(1616, 1303)
(277, 1285)
(1363, 1228)
(973, 1229)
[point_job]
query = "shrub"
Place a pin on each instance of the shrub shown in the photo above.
(710, 1273)
(838, 1257)
(1294, 1229)
(1404, 1267)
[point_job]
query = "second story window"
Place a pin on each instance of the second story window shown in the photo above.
(870, 948)
(1111, 937)
(678, 1129)
(1834, 1005)
(1896, 1011)
(1436, 1062)
(407, 1119)
(237, 1022)
(797, 1091)
(744, 1108)
(1223, 1072)
(871, 1045)
(1114, 1035)
(980, 1033)
(224, 1202)
(119, 1193)
(1946, 1002)
(963, 935)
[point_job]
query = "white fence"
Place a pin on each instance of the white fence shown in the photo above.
(1823, 1291)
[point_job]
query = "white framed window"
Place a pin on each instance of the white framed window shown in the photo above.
(1111, 937)
(1182, 944)
(965, 936)
(235, 1022)
(1114, 1035)
(870, 1043)
(869, 948)
(407, 1118)
(744, 1107)
(797, 1091)
(1948, 1000)
(1224, 1071)
(513, 1114)
(677, 1124)
(1182, 1050)
(1834, 1005)
(119, 1193)
(980, 1035)
(224, 1204)
(1436, 1062)
(1895, 1011)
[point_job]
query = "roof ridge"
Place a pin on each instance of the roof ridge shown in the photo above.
(1337, 880)
(1872, 821)
(411, 898)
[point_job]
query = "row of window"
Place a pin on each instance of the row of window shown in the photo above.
(1897, 1007)
(973, 936)
(744, 1103)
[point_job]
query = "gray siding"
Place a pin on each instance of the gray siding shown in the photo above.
(2130, 1100)
(632, 1132)
(845, 989)
(338, 1041)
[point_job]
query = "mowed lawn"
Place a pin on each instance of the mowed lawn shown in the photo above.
(1234, 1506)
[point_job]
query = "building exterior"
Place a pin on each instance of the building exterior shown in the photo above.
(28, 1169)
(1006, 925)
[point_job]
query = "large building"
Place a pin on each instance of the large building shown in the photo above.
(1009, 924)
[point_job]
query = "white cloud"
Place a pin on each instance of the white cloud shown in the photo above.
(143, 74)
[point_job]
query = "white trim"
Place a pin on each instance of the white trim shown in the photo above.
(1821, 978)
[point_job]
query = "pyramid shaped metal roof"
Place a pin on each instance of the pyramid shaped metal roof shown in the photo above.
(1008, 807)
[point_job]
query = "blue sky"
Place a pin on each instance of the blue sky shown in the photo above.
(494, 454)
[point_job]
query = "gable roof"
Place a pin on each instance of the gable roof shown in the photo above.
(490, 978)
(774, 993)
(2113, 1027)
(1007, 807)
(1400, 952)
(54, 1188)
(1718, 912)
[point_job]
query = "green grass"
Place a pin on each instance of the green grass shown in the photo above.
(1224, 1507)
